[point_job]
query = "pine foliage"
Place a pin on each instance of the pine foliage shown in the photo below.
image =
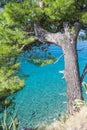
(17, 31)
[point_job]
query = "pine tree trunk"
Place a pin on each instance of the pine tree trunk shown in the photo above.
(72, 75)
(67, 41)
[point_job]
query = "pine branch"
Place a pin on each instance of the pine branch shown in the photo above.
(77, 27)
(46, 37)
(84, 73)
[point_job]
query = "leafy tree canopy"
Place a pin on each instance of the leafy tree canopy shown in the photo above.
(52, 16)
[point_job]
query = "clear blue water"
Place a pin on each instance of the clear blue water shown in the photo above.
(42, 99)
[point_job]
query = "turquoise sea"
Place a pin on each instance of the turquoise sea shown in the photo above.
(43, 99)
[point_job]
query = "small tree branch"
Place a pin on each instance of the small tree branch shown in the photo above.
(67, 29)
(22, 47)
(47, 37)
(84, 73)
(77, 27)
(59, 58)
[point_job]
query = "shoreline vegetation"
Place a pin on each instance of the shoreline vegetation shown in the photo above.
(77, 121)
(14, 84)
(10, 86)
(7, 92)
(10, 82)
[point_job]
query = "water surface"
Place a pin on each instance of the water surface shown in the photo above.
(43, 99)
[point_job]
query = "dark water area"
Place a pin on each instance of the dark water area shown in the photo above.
(43, 99)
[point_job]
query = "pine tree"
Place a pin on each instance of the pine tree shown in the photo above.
(68, 17)
(13, 39)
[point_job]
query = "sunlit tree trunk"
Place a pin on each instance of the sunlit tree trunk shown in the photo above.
(68, 42)
(72, 75)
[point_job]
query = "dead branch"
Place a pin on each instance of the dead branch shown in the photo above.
(59, 58)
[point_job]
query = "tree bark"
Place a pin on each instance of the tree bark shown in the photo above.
(72, 75)
(67, 41)
(47, 37)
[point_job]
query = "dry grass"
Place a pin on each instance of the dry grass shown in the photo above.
(76, 122)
